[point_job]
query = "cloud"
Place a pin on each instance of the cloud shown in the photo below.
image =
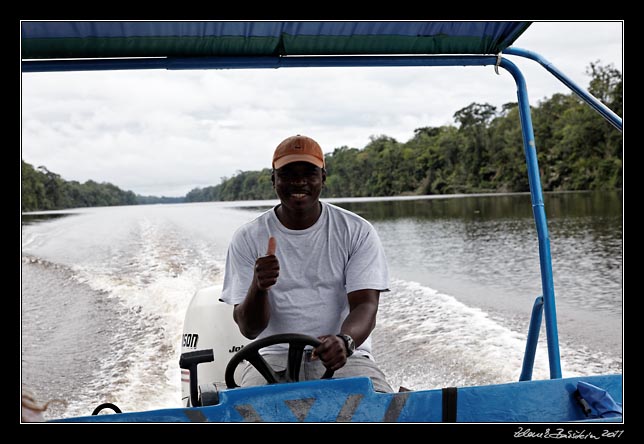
(166, 132)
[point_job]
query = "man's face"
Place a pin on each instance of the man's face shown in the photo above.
(298, 185)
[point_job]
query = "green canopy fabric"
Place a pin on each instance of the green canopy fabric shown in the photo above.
(73, 40)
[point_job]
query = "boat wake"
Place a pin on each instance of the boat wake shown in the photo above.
(426, 340)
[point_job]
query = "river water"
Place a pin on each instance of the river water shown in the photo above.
(105, 290)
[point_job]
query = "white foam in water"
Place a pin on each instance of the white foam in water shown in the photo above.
(162, 276)
(28, 237)
(431, 340)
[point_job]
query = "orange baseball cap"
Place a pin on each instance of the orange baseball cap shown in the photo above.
(298, 149)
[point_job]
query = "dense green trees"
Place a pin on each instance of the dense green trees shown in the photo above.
(45, 190)
(577, 150)
(581, 150)
(253, 185)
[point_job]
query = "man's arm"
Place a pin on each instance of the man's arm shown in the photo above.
(363, 308)
(253, 314)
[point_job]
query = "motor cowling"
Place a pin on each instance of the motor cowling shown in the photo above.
(208, 325)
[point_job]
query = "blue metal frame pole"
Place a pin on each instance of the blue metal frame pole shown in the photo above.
(533, 340)
(602, 109)
(252, 62)
(539, 212)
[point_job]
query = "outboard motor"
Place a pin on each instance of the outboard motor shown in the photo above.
(210, 338)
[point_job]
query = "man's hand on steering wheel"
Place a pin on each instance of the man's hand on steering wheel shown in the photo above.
(332, 352)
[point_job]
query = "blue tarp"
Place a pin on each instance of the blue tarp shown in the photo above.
(599, 400)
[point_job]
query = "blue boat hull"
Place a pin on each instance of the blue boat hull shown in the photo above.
(354, 400)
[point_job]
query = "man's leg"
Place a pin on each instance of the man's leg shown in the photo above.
(251, 377)
(357, 365)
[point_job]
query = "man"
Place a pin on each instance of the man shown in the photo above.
(307, 267)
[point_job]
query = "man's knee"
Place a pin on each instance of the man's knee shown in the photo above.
(251, 377)
(358, 365)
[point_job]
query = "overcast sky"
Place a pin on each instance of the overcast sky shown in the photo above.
(159, 132)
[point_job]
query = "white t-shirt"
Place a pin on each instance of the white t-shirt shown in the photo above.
(319, 266)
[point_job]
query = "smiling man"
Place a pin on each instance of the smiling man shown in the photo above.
(307, 267)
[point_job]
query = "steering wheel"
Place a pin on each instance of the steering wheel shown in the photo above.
(296, 343)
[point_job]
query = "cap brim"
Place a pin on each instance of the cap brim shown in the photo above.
(279, 163)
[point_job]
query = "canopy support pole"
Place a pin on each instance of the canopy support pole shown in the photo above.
(587, 97)
(533, 339)
(539, 212)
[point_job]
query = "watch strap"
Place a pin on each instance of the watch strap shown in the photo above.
(349, 343)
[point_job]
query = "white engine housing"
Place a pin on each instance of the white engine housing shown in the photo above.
(209, 324)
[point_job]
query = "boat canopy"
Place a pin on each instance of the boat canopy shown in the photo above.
(109, 39)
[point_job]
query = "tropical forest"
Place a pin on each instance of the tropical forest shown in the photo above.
(482, 152)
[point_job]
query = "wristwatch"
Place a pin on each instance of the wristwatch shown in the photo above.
(348, 343)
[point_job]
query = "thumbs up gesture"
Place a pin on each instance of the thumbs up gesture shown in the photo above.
(267, 268)
(272, 246)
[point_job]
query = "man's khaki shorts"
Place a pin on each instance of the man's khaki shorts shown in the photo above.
(357, 365)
